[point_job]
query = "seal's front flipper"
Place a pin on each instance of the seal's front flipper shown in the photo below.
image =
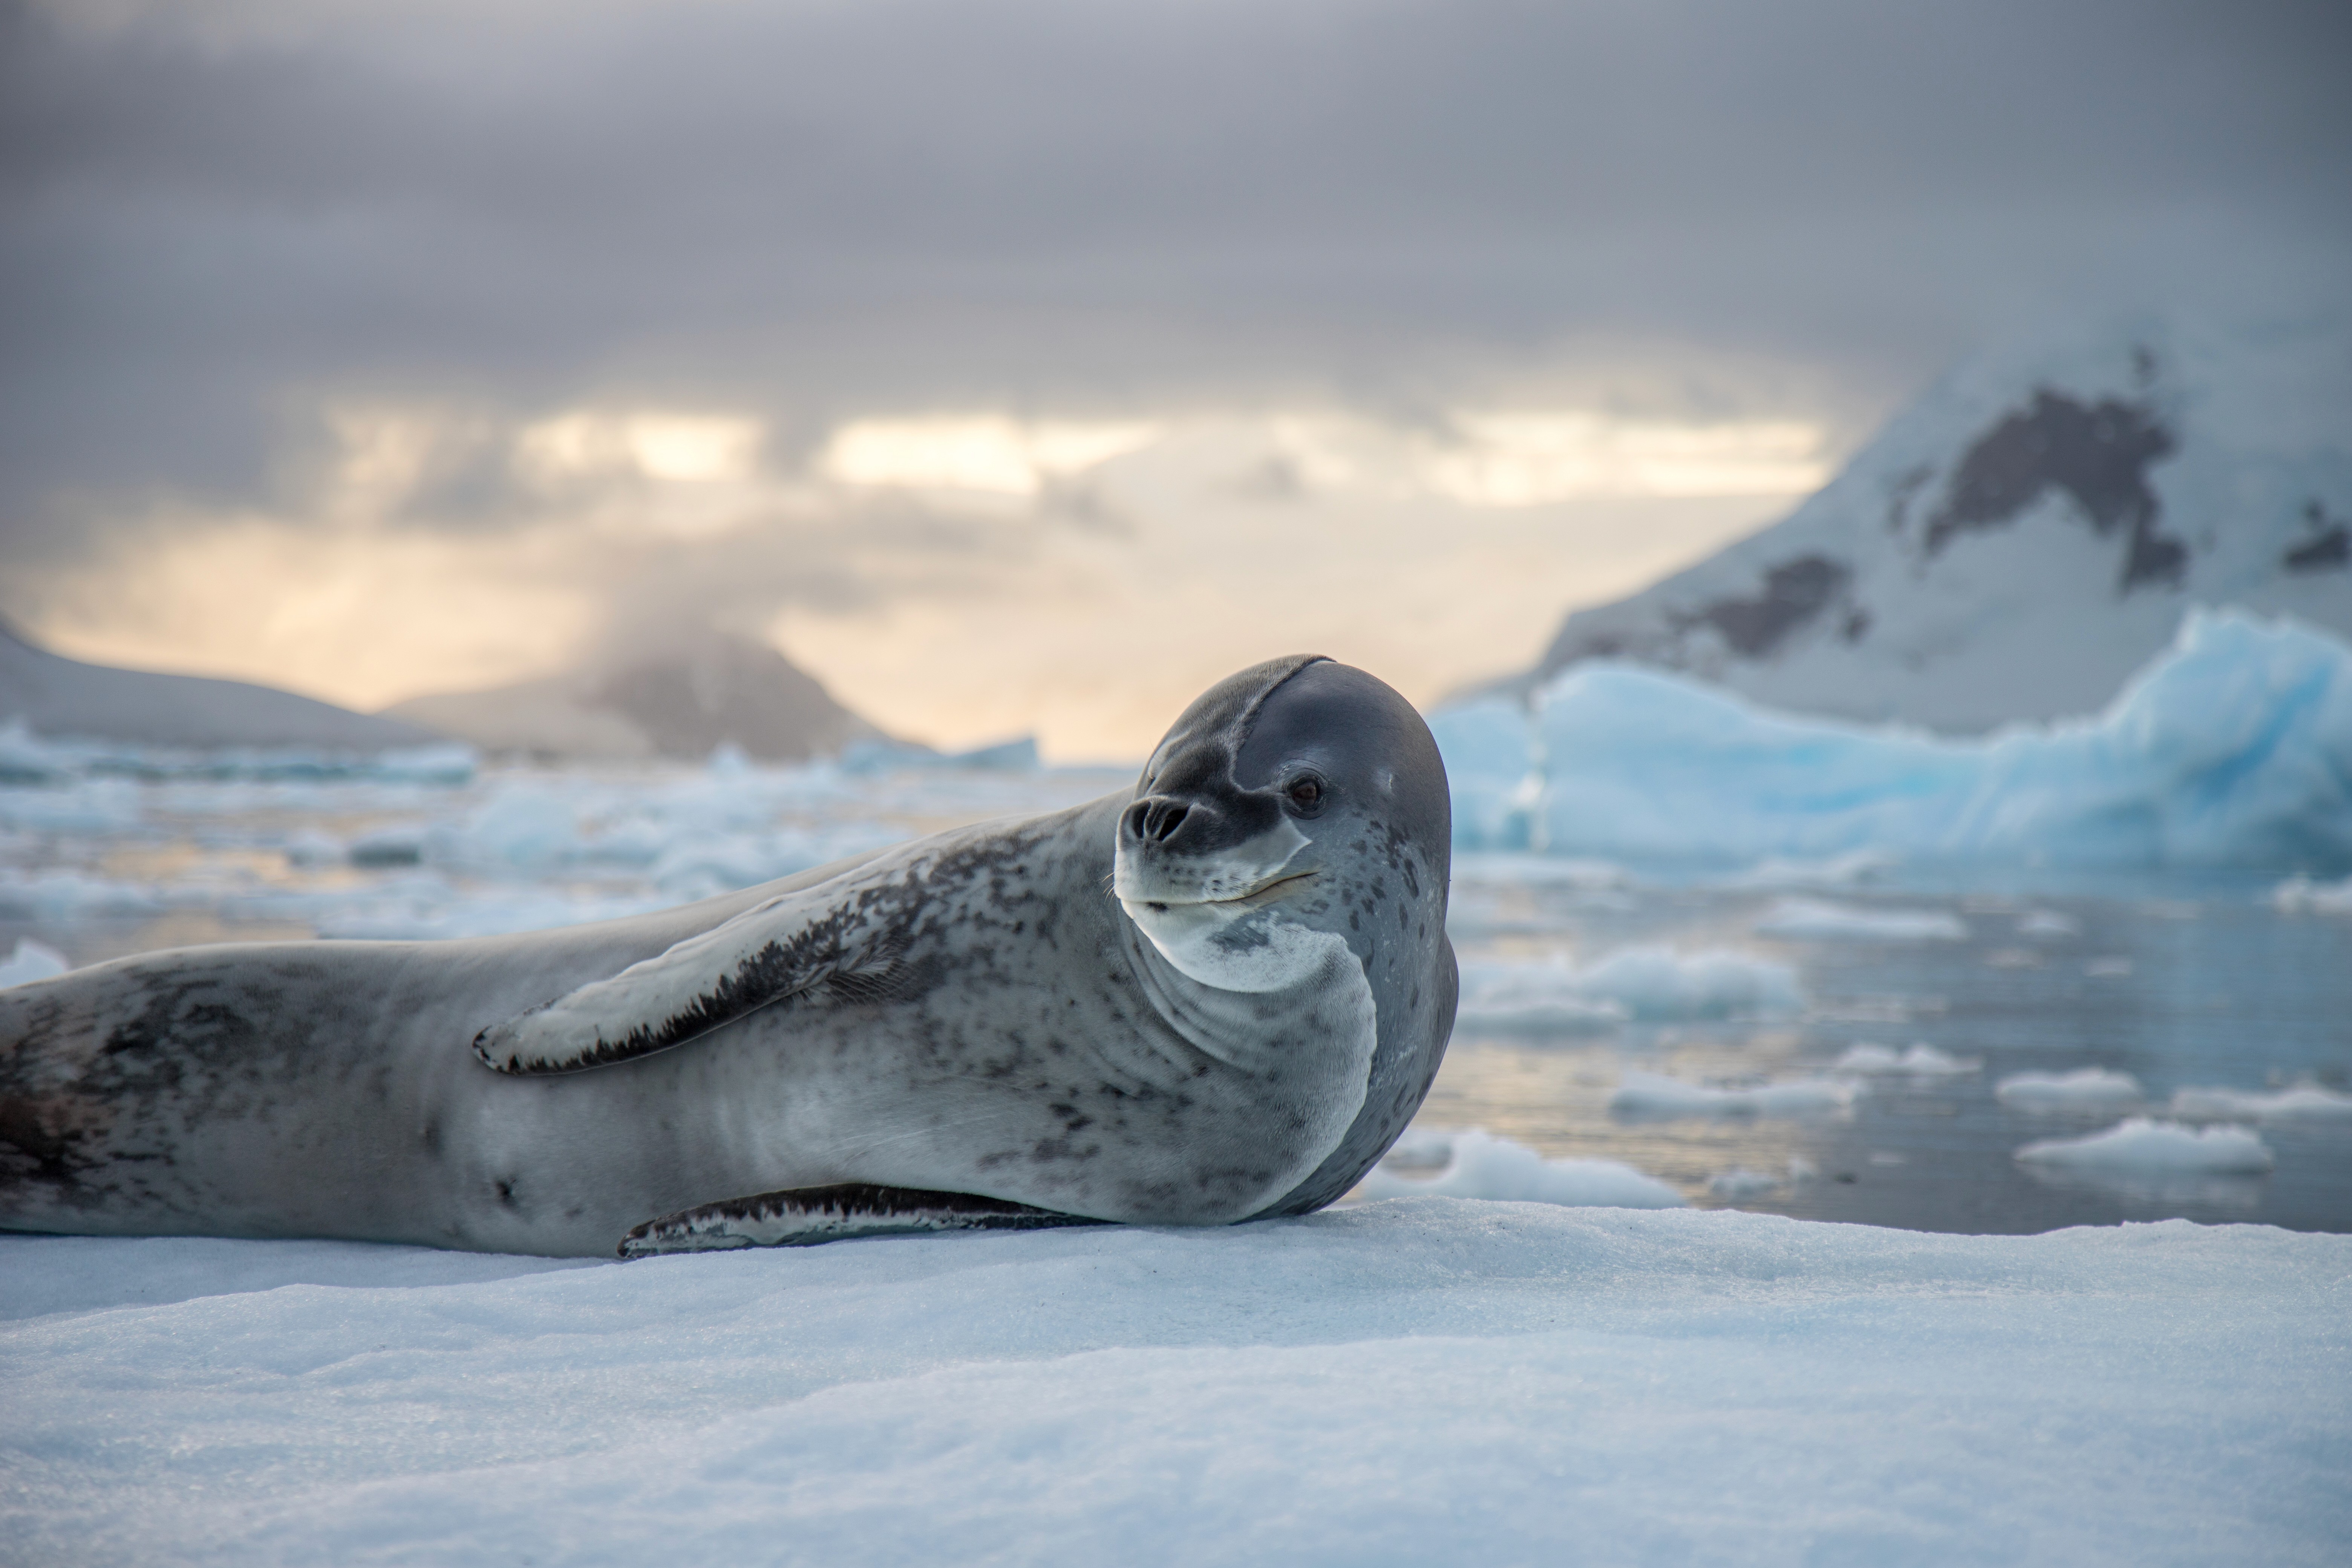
(808, 1215)
(782, 948)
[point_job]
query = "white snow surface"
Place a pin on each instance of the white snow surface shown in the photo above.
(1647, 981)
(1417, 1381)
(2233, 746)
(1472, 1162)
(2080, 1089)
(2139, 1144)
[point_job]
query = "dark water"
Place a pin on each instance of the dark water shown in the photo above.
(2178, 986)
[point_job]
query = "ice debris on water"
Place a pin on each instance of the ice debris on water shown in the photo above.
(2139, 1144)
(2082, 1089)
(1819, 919)
(1655, 1094)
(2233, 746)
(1739, 1181)
(1644, 983)
(1472, 1162)
(1918, 1060)
(31, 961)
(2302, 1103)
(2302, 896)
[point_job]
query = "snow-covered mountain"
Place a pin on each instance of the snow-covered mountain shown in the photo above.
(682, 701)
(62, 697)
(2028, 534)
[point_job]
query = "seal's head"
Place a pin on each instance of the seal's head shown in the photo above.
(1298, 797)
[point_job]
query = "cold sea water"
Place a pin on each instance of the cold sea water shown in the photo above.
(1848, 1039)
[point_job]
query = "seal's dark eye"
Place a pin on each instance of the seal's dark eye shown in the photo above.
(1305, 793)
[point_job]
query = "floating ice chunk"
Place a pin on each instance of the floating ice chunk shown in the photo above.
(1654, 1094)
(1541, 871)
(2085, 1088)
(2233, 746)
(2048, 923)
(1647, 983)
(2112, 966)
(31, 961)
(73, 895)
(1830, 871)
(2139, 1144)
(1474, 1164)
(1739, 1181)
(2302, 896)
(80, 805)
(2304, 1102)
(1919, 1060)
(1819, 919)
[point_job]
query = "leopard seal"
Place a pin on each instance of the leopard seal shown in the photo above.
(1217, 996)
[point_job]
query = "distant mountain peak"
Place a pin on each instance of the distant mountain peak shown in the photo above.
(2029, 532)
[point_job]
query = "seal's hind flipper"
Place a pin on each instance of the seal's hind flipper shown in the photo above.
(780, 949)
(807, 1215)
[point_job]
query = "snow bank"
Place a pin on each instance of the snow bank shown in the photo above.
(2083, 1088)
(31, 961)
(2304, 1102)
(1652, 1094)
(1416, 1382)
(1472, 1162)
(2234, 746)
(1818, 919)
(2139, 1144)
(1649, 982)
(1919, 1060)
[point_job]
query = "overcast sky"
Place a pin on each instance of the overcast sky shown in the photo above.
(253, 253)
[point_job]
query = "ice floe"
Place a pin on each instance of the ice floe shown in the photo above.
(1649, 1094)
(2139, 1144)
(2302, 896)
(2303, 1102)
(2048, 924)
(1819, 919)
(1423, 1382)
(1740, 1183)
(1472, 1162)
(31, 961)
(1917, 1060)
(1643, 983)
(2082, 1088)
(2233, 747)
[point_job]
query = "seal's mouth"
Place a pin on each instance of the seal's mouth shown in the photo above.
(1265, 894)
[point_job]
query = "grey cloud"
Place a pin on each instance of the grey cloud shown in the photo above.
(803, 208)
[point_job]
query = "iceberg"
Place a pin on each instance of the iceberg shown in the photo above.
(2085, 1088)
(2231, 748)
(2141, 1145)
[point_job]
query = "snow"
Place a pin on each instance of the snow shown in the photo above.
(2139, 1144)
(1821, 921)
(1472, 1162)
(2226, 446)
(2082, 1088)
(31, 961)
(1647, 983)
(1918, 1060)
(2232, 747)
(2304, 1102)
(1426, 1381)
(1656, 1095)
(2302, 896)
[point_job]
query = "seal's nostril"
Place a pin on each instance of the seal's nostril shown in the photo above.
(1166, 818)
(1137, 816)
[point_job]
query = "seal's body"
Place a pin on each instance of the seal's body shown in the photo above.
(1218, 997)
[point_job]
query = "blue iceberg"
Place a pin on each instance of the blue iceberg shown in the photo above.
(2232, 748)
